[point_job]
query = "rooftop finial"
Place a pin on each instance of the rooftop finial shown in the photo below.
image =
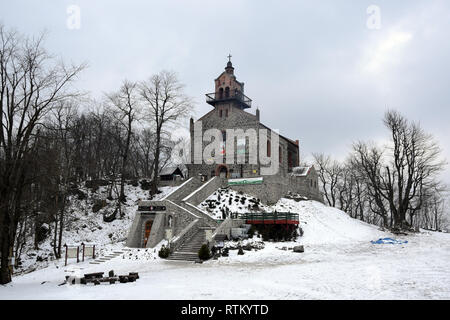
(229, 68)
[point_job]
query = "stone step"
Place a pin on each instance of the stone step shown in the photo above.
(178, 252)
(193, 249)
(190, 249)
(183, 257)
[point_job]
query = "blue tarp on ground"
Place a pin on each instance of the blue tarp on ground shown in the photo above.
(388, 241)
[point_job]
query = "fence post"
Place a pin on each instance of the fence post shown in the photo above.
(93, 252)
(78, 254)
(65, 263)
(82, 244)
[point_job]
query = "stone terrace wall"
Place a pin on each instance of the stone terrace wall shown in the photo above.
(269, 192)
(275, 187)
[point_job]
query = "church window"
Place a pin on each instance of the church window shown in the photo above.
(221, 93)
(279, 154)
(226, 113)
(227, 92)
(268, 148)
(220, 113)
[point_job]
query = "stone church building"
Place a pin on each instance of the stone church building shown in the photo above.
(230, 105)
(178, 218)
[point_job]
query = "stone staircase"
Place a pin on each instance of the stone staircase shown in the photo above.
(188, 251)
(184, 201)
(108, 256)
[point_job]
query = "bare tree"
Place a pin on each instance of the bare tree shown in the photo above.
(126, 111)
(31, 84)
(398, 177)
(166, 103)
(330, 172)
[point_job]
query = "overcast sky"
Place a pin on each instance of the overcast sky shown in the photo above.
(316, 70)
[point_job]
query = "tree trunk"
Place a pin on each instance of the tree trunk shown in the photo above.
(61, 226)
(5, 274)
(154, 185)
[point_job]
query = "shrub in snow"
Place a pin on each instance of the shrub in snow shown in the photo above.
(145, 185)
(75, 191)
(164, 252)
(251, 231)
(204, 253)
(109, 217)
(134, 183)
(240, 252)
(225, 252)
(98, 204)
(42, 232)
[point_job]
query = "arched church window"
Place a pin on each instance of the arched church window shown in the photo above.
(226, 113)
(220, 113)
(221, 93)
(227, 92)
(268, 148)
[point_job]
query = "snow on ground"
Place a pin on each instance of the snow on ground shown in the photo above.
(339, 262)
(86, 226)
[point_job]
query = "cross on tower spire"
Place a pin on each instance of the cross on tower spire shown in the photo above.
(229, 57)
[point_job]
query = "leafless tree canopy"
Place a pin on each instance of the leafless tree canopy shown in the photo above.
(396, 186)
(164, 103)
(48, 147)
(32, 85)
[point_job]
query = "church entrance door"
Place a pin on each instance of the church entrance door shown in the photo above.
(148, 229)
(222, 171)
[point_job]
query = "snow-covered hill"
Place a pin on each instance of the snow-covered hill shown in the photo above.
(321, 224)
(339, 262)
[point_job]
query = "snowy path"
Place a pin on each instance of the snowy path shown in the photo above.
(417, 270)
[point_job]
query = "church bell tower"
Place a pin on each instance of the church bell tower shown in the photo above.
(228, 91)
